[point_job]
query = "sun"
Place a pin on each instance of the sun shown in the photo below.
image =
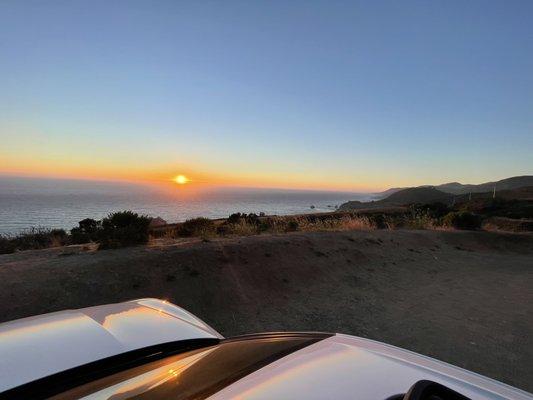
(181, 179)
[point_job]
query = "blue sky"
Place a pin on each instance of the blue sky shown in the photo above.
(350, 95)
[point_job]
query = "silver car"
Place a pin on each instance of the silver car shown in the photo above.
(151, 349)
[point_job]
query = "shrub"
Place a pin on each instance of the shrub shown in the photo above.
(378, 221)
(89, 225)
(122, 229)
(462, 220)
(272, 224)
(87, 231)
(7, 245)
(238, 217)
(58, 237)
(33, 239)
(292, 226)
(240, 224)
(433, 210)
(252, 219)
(241, 228)
(234, 218)
(197, 227)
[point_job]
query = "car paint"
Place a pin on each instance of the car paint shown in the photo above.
(339, 366)
(34, 347)
(348, 367)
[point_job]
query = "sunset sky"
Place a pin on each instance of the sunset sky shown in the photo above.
(293, 94)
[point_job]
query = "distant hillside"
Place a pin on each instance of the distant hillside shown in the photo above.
(402, 197)
(458, 188)
(522, 193)
(418, 195)
(388, 192)
(518, 203)
(504, 184)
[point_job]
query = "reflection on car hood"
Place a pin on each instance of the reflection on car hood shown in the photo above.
(349, 367)
(31, 348)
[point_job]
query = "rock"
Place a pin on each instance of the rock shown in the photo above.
(156, 222)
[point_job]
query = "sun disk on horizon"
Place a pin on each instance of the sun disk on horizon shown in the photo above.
(181, 179)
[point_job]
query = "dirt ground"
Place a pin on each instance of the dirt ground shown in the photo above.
(462, 297)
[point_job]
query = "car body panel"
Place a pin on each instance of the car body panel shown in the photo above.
(34, 347)
(336, 366)
(347, 367)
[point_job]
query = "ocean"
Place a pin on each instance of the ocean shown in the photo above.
(54, 203)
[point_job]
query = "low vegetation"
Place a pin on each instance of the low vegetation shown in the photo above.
(127, 228)
(118, 229)
(202, 227)
(33, 238)
(122, 229)
(462, 220)
(87, 231)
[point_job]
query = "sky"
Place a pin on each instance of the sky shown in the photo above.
(348, 95)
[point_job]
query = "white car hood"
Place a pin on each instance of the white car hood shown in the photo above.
(31, 348)
(349, 367)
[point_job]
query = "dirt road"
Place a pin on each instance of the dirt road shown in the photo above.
(462, 297)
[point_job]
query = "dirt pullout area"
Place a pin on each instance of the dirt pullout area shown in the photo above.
(462, 297)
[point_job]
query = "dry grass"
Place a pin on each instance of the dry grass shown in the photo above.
(241, 228)
(271, 225)
(501, 224)
(346, 223)
(57, 241)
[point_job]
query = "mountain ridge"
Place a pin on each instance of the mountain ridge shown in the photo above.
(456, 188)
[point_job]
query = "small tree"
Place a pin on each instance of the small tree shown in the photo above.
(87, 231)
(122, 229)
(235, 218)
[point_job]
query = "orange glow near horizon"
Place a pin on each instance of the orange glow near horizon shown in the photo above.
(168, 181)
(164, 175)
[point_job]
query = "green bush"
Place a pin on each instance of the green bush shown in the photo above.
(87, 231)
(197, 227)
(292, 226)
(239, 217)
(462, 220)
(234, 218)
(7, 245)
(378, 220)
(122, 229)
(272, 224)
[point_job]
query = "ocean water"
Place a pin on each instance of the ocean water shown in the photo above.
(52, 203)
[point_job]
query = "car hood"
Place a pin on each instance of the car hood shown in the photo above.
(31, 348)
(349, 367)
